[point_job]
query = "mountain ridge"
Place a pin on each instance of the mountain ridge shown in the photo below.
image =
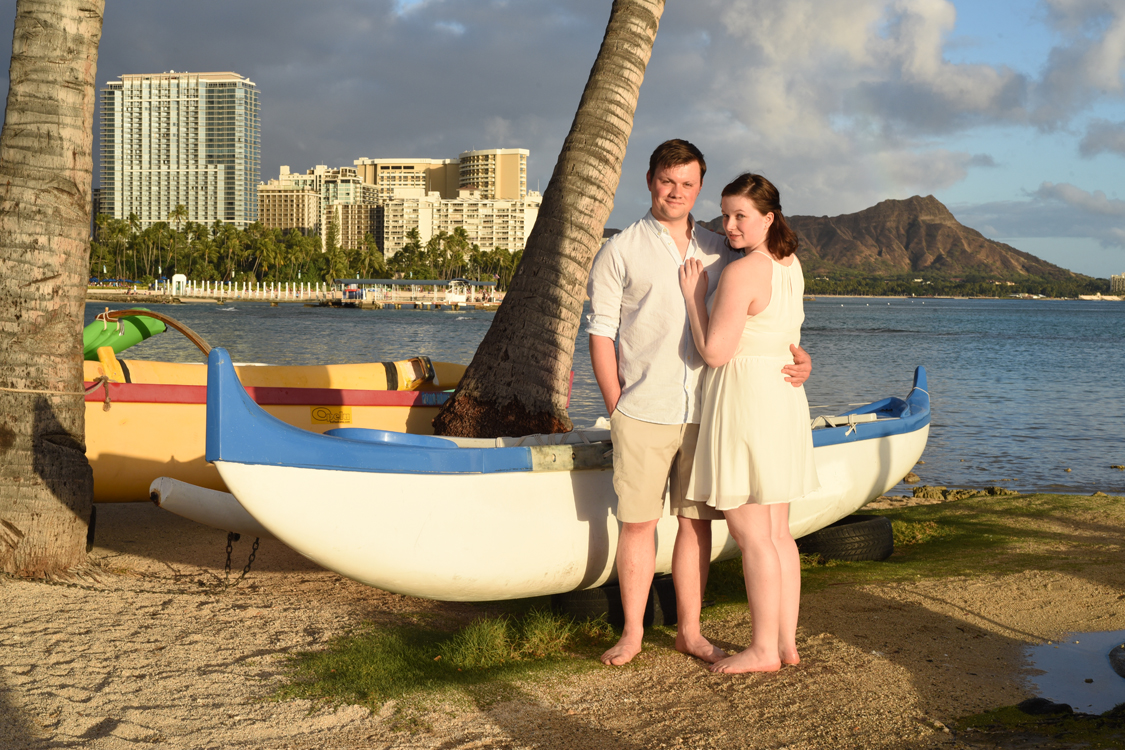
(914, 235)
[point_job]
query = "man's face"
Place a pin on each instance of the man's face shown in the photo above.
(674, 190)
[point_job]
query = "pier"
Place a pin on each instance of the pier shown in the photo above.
(361, 294)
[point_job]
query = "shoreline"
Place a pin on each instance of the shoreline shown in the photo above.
(815, 297)
(149, 297)
(123, 296)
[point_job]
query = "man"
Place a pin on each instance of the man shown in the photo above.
(651, 385)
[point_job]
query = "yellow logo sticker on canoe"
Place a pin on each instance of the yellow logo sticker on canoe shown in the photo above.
(331, 414)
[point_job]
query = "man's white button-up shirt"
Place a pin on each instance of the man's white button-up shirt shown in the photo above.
(635, 298)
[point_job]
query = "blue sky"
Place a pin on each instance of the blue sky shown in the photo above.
(1011, 112)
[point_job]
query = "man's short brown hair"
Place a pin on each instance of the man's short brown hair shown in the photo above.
(675, 153)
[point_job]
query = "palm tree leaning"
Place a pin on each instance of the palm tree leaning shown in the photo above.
(517, 383)
(46, 486)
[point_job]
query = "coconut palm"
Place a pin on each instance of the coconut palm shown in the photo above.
(46, 487)
(517, 381)
(134, 223)
(177, 215)
(230, 244)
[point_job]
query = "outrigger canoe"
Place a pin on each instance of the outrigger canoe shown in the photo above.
(146, 419)
(483, 520)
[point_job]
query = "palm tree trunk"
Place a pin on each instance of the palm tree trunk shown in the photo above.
(46, 487)
(518, 380)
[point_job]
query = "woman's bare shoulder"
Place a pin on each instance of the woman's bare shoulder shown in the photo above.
(749, 266)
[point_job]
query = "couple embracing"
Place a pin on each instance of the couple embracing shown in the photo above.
(704, 391)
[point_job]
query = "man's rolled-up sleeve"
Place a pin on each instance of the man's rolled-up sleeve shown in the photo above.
(604, 288)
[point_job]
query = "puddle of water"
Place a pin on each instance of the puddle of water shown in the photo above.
(1069, 663)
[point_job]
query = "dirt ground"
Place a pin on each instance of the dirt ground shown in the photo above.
(146, 650)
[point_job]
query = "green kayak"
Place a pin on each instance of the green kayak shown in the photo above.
(119, 334)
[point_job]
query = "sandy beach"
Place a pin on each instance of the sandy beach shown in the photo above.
(147, 648)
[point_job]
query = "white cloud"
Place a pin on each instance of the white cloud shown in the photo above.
(879, 64)
(1053, 210)
(1103, 136)
(1094, 203)
(1089, 63)
(848, 101)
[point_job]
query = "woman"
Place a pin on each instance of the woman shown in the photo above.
(755, 444)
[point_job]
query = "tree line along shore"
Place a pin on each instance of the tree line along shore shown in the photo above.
(123, 254)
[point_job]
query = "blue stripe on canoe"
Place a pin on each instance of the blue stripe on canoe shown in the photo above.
(239, 431)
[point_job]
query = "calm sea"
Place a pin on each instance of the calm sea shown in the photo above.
(1022, 390)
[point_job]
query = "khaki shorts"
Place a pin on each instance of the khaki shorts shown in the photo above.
(647, 458)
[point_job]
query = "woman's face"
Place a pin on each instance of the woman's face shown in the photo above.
(744, 224)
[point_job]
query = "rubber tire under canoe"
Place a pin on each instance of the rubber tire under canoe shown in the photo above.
(853, 538)
(606, 600)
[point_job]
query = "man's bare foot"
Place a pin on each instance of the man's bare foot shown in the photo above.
(623, 652)
(699, 647)
(789, 655)
(748, 661)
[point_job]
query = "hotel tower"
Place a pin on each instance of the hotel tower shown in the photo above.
(190, 139)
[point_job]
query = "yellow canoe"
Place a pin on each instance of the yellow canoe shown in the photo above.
(148, 419)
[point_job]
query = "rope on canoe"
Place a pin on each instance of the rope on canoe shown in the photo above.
(101, 382)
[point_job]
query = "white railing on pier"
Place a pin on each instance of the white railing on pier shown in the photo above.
(315, 291)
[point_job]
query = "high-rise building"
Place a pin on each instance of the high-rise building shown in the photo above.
(308, 202)
(498, 173)
(505, 224)
(288, 206)
(430, 175)
(190, 139)
(353, 222)
(1117, 284)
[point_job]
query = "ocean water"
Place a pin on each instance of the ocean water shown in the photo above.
(1021, 390)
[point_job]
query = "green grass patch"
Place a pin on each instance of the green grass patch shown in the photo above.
(918, 532)
(377, 664)
(975, 536)
(1011, 727)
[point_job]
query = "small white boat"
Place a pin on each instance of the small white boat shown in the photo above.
(481, 520)
(209, 507)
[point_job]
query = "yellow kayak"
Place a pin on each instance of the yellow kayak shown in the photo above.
(148, 419)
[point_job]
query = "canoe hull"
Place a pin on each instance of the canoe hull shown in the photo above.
(544, 532)
(474, 520)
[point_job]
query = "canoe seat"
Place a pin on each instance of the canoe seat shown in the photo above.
(575, 437)
(368, 435)
(850, 419)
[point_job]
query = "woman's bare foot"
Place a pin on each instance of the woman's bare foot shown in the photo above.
(789, 655)
(699, 647)
(748, 661)
(623, 651)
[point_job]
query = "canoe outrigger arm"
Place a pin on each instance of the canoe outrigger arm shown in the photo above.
(192, 336)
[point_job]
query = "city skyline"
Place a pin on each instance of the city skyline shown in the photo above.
(483, 192)
(1010, 112)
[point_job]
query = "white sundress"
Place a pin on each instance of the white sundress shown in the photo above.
(755, 440)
